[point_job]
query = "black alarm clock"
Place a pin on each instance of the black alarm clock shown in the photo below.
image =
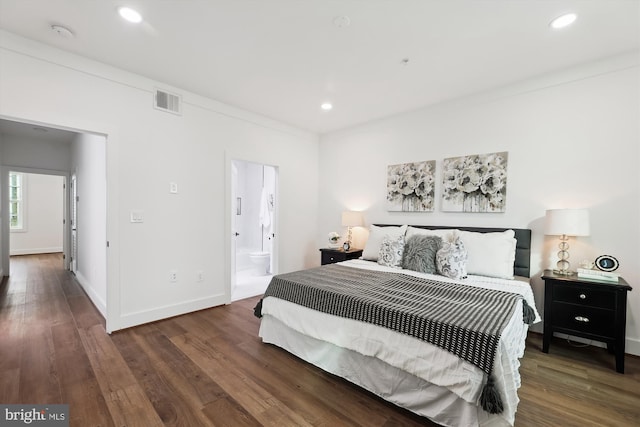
(606, 263)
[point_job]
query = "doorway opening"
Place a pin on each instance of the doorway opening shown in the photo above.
(38, 148)
(254, 207)
(36, 213)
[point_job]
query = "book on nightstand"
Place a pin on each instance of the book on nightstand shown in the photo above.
(597, 275)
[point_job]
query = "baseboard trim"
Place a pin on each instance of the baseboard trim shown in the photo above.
(138, 318)
(98, 302)
(34, 251)
(631, 346)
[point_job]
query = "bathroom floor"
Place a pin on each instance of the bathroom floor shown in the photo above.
(249, 285)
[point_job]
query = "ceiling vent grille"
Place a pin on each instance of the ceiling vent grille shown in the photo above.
(168, 102)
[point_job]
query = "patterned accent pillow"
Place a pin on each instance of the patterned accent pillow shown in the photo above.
(391, 250)
(420, 253)
(451, 258)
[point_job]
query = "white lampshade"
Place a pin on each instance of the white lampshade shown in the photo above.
(570, 222)
(351, 219)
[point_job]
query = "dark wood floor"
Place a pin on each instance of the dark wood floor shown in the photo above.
(210, 369)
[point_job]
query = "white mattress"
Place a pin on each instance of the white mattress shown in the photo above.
(417, 358)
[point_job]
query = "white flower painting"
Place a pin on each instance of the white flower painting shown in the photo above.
(410, 187)
(476, 183)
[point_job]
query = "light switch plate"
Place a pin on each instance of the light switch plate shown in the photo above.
(173, 188)
(137, 216)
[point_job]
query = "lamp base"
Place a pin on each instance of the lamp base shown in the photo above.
(563, 263)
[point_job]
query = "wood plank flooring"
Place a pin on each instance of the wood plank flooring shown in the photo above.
(209, 368)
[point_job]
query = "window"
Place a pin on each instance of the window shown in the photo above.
(16, 201)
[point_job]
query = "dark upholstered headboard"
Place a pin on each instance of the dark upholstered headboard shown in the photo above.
(522, 264)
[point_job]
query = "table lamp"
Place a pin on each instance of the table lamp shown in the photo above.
(565, 223)
(350, 219)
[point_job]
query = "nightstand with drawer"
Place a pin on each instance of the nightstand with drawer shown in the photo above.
(587, 308)
(330, 255)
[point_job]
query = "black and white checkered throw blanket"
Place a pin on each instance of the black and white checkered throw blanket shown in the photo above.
(464, 320)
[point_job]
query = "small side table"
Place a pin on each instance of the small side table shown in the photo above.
(587, 308)
(330, 255)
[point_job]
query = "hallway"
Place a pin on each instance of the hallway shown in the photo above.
(43, 311)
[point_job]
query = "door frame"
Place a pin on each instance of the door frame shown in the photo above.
(5, 228)
(111, 135)
(230, 255)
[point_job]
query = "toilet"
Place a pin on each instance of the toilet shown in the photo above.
(261, 262)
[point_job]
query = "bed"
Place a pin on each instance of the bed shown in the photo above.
(389, 330)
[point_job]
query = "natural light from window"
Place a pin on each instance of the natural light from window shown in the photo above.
(16, 201)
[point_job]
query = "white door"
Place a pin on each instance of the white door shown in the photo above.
(235, 210)
(66, 224)
(270, 233)
(74, 224)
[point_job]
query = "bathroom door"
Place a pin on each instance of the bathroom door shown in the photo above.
(234, 223)
(270, 174)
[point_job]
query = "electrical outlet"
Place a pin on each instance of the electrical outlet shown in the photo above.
(200, 276)
(173, 276)
(173, 188)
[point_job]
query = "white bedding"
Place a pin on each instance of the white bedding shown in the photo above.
(418, 358)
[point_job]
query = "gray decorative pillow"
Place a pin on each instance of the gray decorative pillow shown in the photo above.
(391, 250)
(420, 253)
(451, 259)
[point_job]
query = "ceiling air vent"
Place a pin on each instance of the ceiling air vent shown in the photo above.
(168, 102)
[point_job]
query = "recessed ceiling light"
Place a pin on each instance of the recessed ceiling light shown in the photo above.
(130, 14)
(563, 20)
(62, 31)
(326, 106)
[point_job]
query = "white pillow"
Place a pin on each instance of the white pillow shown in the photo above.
(444, 233)
(376, 235)
(490, 254)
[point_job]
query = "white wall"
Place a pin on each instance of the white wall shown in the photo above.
(43, 216)
(573, 141)
(88, 163)
(148, 149)
(35, 153)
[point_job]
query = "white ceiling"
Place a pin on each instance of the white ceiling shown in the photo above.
(35, 132)
(283, 58)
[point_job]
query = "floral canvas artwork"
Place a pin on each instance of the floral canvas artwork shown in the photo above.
(476, 183)
(410, 186)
